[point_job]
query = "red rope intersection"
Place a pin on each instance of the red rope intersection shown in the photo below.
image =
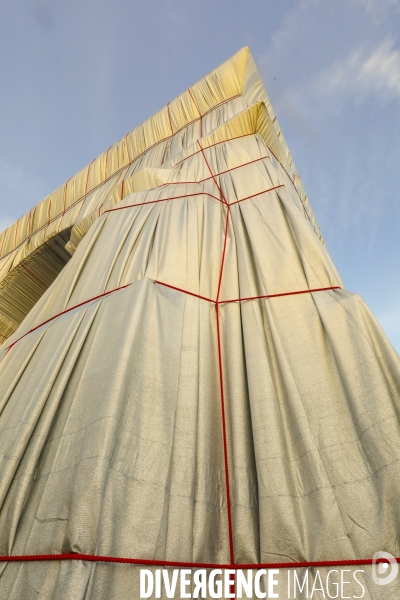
(116, 208)
(50, 319)
(128, 165)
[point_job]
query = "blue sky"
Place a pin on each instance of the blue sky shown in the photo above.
(77, 76)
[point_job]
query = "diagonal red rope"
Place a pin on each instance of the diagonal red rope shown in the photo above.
(276, 187)
(250, 162)
(64, 312)
(324, 289)
(116, 208)
(184, 291)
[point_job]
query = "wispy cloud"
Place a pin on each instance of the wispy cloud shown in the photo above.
(378, 9)
(363, 72)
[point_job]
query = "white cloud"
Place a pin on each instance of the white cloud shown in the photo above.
(362, 73)
(378, 9)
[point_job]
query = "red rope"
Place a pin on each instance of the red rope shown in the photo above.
(221, 378)
(195, 194)
(184, 291)
(273, 154)
(216, 174)
(154, 201)
(237, 137)
(67, 311)
(295, 293)
(195, 565)
(212, 174)
(258, 194)
(324, 289)
(228, 493)
(250, 162)
(223, 253)
(161, 200)
(335, 287)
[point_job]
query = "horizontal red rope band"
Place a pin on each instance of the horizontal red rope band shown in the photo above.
(192, 195)
(195, 565)
(64, 312)
(163, 200)
(215, 174)
(250, 162)
(335, 287)
(295, 293)
(112, 175)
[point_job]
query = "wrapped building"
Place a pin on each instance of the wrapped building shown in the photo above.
(183, 379)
